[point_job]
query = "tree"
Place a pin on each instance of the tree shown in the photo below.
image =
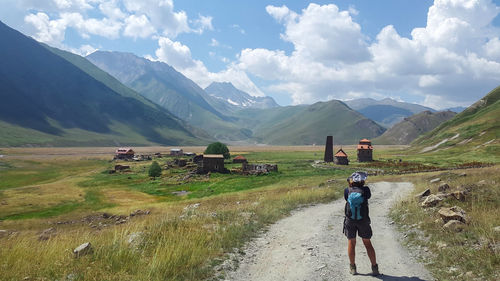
(154, 170)
(218, 148)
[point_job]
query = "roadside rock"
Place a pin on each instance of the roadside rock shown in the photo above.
(440, 245)
(431, 201)
(423, 194)
(496, 229)
(435, 180)
(454, 225)
(453, 213)
(3, 233)
(84, 249)
(46, 234)
(459, 195)
(140, 213)
(443, 187)
(135, 239)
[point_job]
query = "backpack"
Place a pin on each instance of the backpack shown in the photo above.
(354, 200)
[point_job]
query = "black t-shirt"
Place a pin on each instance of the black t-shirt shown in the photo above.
(364, 206)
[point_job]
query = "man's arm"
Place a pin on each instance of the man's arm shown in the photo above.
(346, 192)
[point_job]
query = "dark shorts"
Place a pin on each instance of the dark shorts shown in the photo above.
(362, 228)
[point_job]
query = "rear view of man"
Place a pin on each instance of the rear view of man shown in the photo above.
(357, 220)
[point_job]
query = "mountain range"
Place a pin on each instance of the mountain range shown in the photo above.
(55, 98)
(48, 100)
(386, 112)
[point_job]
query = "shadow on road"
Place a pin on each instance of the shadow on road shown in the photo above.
(386, 277)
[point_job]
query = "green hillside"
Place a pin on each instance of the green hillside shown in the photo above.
(46, 100)
(474, 132)
(297, 125)
(412, 127)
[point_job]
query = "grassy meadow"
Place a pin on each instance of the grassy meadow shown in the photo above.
(54, 199)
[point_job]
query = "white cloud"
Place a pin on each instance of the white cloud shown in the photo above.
(453, 60)
(214, 43)
(161, 14)
(48, 31)
(203, 23)
(174, 53)
(138, 26)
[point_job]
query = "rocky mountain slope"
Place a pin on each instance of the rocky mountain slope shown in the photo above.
(48, 100)
(168, 88)
(412, 127)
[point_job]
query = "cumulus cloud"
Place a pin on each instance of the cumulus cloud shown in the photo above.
(108, 18)
(453, 60)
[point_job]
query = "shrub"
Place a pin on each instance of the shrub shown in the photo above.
(154, 170)
(218, 148)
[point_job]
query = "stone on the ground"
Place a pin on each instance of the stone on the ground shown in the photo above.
(3, 233)
(496, 229)
(482, 182)
(431, 201)
(135, 239)
(423, 194)
(440, 245)
(443, 187)
(454, 225)
(46, 234)
(463, 174)
(459, 195)
(435, 180)
(453, 213)
(84, 249)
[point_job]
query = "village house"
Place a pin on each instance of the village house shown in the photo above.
(211, 163)
(239, 159)
(124, 153)
(341, 158)
(176, 152)
(365, 151)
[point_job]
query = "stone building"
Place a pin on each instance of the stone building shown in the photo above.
(341, 158)
(239, 159)
(176, 152)
(211, 163)
(365, 151)
(124, 153)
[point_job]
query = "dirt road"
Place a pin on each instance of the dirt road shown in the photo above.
(309, 245)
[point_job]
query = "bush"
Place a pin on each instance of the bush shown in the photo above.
(154, 170)
(218, 148)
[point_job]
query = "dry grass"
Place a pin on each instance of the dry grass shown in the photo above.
(474, 253)
(178, 241)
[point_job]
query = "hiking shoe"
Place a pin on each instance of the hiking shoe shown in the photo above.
(375, 270)
(353, 269)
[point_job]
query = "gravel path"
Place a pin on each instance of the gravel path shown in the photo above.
(309, 245)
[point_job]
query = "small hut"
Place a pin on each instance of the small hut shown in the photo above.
(341, 158)
(211, 163)
(365, 151)
(239, 159)
(124, 153)
(176, 152)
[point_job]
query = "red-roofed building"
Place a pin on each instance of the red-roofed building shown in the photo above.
(124, 153)
(365, 151)
(239, 159)
(340, 158)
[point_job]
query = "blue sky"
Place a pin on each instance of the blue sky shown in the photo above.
(440, 53)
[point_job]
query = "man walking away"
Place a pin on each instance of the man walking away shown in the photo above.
(357, 220)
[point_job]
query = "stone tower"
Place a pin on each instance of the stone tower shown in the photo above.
(329, 149)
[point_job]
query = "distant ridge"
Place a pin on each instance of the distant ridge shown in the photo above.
(386, 112)
(300, 125)
(412, 127)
